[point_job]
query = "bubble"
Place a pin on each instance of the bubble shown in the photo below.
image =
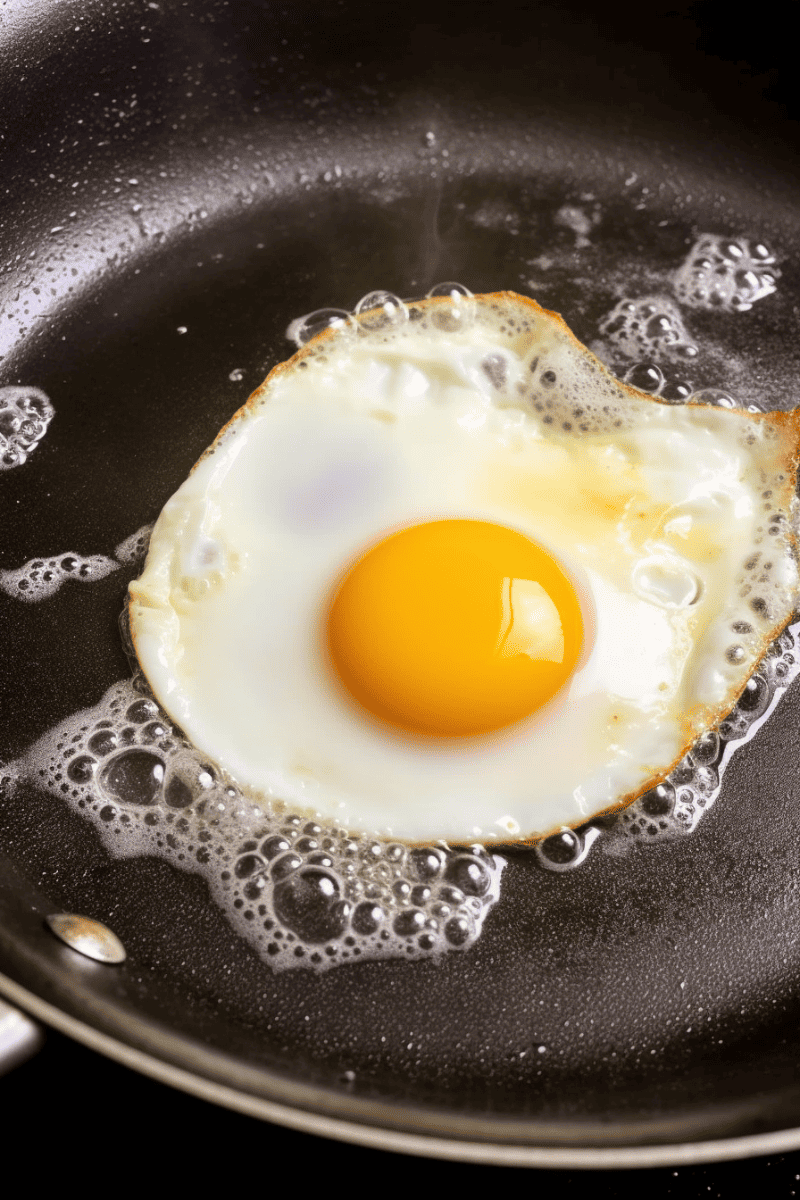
(380, 310)
(426, 864)
(658, 801)
(284, 865)
(102, 742)
(304, 329)
(459, 930)
(706, 780)
(141, 711)
(684, 772)
(676, 391)
(458, 313)
(495, 368)
(154, 731)
(567, 849)
(248, 865)
(25, 413)
(274, 846)
(647, 377)
(456, 291)
(254, 887)
(755, 697)
(177, 793)
(310, 904)
(716, 397)
(409, 922)
(133, 777)
(368, 917)
(706, 749)
(81, 769)
(562, 847)
(726, 274)
(469, 875)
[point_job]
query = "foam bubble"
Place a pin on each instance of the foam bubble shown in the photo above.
(41, 578)
(725, 273)
(25, 413)
(458, 313)
(304, 329)
(302, 893)
(378, 310)
(134, 548)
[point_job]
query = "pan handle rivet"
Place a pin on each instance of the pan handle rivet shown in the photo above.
(87, 937)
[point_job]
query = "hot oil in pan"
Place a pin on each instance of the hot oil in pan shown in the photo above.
(303, 894)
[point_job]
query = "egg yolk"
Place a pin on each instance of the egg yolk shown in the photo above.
(454, 628)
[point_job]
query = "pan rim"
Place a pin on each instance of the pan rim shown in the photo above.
(377, 1137)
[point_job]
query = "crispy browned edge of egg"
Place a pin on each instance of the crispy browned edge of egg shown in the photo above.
(791, 420)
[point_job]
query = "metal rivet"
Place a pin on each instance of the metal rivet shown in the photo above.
(87, 937)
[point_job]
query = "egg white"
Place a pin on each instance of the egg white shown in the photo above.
(652, 510)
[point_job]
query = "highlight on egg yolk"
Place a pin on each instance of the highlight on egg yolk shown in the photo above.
(454, 628)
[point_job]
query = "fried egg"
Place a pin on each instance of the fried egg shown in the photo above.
(444, 578)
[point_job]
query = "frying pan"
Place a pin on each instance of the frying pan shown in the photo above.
(180, 181)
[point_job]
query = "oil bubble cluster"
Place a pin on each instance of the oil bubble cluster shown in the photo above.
(675, 806)
(383, 310)
(25, 413)
(301, 893)
(648, 328)
(134, 548)
(725, 273)
(41, 578)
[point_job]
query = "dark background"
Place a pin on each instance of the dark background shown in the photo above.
(96, 1121)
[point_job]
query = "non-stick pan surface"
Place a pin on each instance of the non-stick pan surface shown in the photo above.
(182, 181)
